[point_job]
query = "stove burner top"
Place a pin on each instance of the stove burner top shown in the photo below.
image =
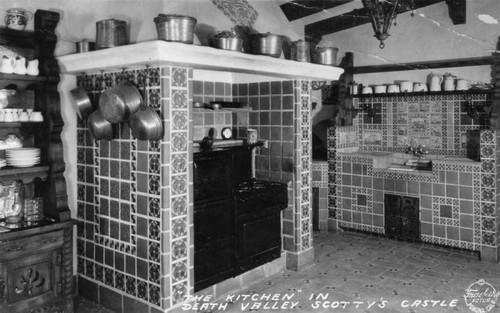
(259, 194)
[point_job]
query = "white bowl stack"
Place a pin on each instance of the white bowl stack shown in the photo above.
(23, 157)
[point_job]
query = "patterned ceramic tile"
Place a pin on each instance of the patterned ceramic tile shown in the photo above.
(154, 207)
(179, 271)
(179, 184)
(179, 206)
(179, 77)
(179, 291)
(179, 249)
(142, 289)
(179, 141)
(154, 294)
(130, 285)
(179, 99)
(179, 119)
(179, 228)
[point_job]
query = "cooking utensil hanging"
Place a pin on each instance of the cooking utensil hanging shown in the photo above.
(145, 123)
(99, 128)
(119, 103)
(81, 100)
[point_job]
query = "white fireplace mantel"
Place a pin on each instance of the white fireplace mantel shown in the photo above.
(162, 53)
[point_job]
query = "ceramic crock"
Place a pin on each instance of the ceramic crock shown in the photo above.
(17, 18)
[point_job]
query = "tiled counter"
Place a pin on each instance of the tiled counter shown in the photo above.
(457, 199)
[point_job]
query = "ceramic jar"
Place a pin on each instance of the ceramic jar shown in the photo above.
(20, 66)
(406, 86)
(251, 136)
(449, 82)
(32, 68)
(7, 65)
(17, 18)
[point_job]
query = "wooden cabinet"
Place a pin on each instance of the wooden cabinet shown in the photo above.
(38, 93)
(36, 257)
(36, 269)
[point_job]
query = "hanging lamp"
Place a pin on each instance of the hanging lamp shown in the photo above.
(383, 13)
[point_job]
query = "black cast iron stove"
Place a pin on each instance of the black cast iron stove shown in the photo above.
(258, 207)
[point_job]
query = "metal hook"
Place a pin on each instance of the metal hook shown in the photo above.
(123, 73)
(101, 88)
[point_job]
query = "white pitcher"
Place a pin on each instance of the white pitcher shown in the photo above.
(7, 65)
(435, 82)
(20, 66)
(32, 68)
(449, 82)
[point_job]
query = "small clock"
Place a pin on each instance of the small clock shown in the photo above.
(226, 133)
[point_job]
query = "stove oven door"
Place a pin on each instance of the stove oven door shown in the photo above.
(258, 238)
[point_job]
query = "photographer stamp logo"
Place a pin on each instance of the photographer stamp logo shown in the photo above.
(481, 296)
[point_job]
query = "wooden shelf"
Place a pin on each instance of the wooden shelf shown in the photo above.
(47, 225)
(428, 93)
(26, 174)
(478, 61)
(22, 124)
(162, 53)
(24, 78)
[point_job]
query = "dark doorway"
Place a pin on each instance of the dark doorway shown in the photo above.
(402, 220)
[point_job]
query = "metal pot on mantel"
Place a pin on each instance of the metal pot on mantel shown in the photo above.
(111, 33)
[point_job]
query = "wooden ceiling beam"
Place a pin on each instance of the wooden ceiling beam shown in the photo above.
(297, 9)
(314, 31)
(457, 11)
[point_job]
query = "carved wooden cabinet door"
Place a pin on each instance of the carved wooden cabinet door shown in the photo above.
(30, 282)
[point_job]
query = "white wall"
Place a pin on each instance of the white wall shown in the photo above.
(430, 35)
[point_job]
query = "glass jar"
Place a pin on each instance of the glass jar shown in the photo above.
(14, 203)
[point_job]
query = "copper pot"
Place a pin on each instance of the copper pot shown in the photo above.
(226, 43)
(174, 27)
(99, 127)
(325, 55)
(267, 44)
(119, 103)
(82, 102)
(300, 51)
(146, 124)
(111, 33)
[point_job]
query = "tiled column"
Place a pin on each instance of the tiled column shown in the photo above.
(303, 254)
(176, 187)
(486, 229)
(332, 199)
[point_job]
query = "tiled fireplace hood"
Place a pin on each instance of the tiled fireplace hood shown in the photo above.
(158, 53)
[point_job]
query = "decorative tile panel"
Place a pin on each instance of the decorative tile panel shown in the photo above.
(418, 120)
(121, 186)
(175, 186)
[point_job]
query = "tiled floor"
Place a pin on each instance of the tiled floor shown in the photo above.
(361, 273)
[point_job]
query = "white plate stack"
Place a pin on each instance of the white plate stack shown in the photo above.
(3, 162)
(23, 157)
